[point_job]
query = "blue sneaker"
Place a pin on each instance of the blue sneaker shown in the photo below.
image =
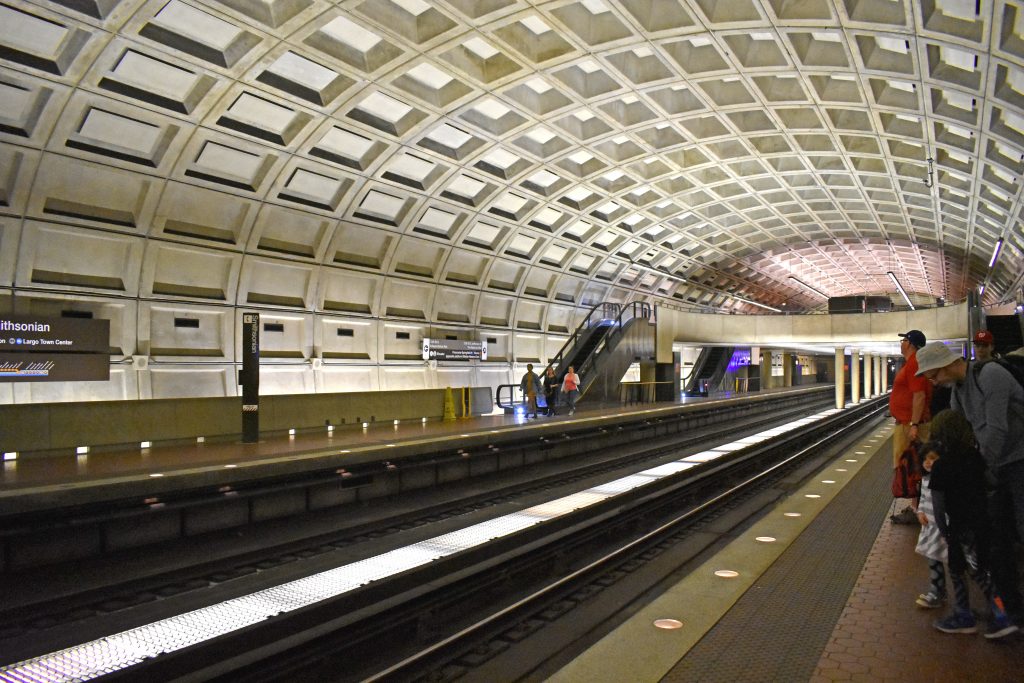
(1000, 627)
(957, 622)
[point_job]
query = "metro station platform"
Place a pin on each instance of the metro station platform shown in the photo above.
(51, 476)
(820, 589)
(70, 470)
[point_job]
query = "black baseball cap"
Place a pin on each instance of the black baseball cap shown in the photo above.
(915, 337)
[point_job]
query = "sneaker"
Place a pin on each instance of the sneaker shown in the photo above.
(1000, 627)
(930, 600)
(957, 622)
(904, 516)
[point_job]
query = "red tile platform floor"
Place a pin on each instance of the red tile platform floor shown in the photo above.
(883, 636)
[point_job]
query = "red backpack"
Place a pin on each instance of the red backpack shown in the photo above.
(906, 478)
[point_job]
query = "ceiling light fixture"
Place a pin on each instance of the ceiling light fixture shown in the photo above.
(995, 252)
(754, 303)
(804, 284)
(892, 276)
(662, 273)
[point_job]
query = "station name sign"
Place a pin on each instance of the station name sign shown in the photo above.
(34, 348)
(453, 349)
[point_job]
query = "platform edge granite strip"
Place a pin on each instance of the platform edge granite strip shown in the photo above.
(637, 651)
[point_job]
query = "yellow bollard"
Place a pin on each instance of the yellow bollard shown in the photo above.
(449, 405)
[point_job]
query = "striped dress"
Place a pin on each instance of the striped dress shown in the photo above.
(930, 542)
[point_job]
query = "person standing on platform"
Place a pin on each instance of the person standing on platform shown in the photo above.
(909, 406)
(992, 400)
(571, 388)
(931, 543)
(530, 385)
(550, 390)
(984, 346)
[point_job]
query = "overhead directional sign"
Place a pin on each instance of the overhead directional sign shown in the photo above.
(453, 349)
(43, 349)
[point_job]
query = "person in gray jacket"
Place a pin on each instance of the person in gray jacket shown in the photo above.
(993, 402)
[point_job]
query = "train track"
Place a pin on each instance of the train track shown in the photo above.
(399, 613)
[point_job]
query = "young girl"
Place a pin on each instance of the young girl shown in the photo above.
(930, 542)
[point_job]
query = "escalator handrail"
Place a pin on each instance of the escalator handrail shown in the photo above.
(693, 379)
(637, 309)
(577, 333)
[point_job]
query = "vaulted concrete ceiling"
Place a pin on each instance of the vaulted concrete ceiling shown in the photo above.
(696, 152)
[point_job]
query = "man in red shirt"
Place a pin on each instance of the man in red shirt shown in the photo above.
(908, 405)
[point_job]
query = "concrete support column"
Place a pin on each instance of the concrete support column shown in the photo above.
(885, 374)
(787, 369)
(840, 379)
(855, 375)
(766, 369)
(879, 370)
(868, 361)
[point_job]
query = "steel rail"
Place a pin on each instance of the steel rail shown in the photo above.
(514, 611)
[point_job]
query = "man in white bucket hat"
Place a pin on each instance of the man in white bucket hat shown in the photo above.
(992, 400)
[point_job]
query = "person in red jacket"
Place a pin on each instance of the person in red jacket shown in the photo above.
(909, 406)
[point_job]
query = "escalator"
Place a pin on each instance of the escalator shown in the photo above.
(1006, 329)
(589, 340)
(610, 339)
(630, 339)
(709, 370)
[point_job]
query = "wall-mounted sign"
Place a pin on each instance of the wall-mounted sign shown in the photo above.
(454, 349)
(39, 349)
(53, 367)
(23, 333)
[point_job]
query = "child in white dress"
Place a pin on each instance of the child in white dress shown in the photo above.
(930, 542)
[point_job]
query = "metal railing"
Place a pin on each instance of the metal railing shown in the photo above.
(639, 392)
(600, 313)
(605, 313)
(630, 311)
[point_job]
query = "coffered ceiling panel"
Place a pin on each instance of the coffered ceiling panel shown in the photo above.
(695, 153)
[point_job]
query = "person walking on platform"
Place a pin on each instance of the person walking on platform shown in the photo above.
(984, 346)
(571, 388)
(909, 406)
(550, 390)
(530, 384)
(992, 401)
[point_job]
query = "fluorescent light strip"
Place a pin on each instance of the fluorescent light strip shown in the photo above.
(807, 286)
(657, 272)
(892, 276)
(754, 303)
(995, 252)
(121, 650)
